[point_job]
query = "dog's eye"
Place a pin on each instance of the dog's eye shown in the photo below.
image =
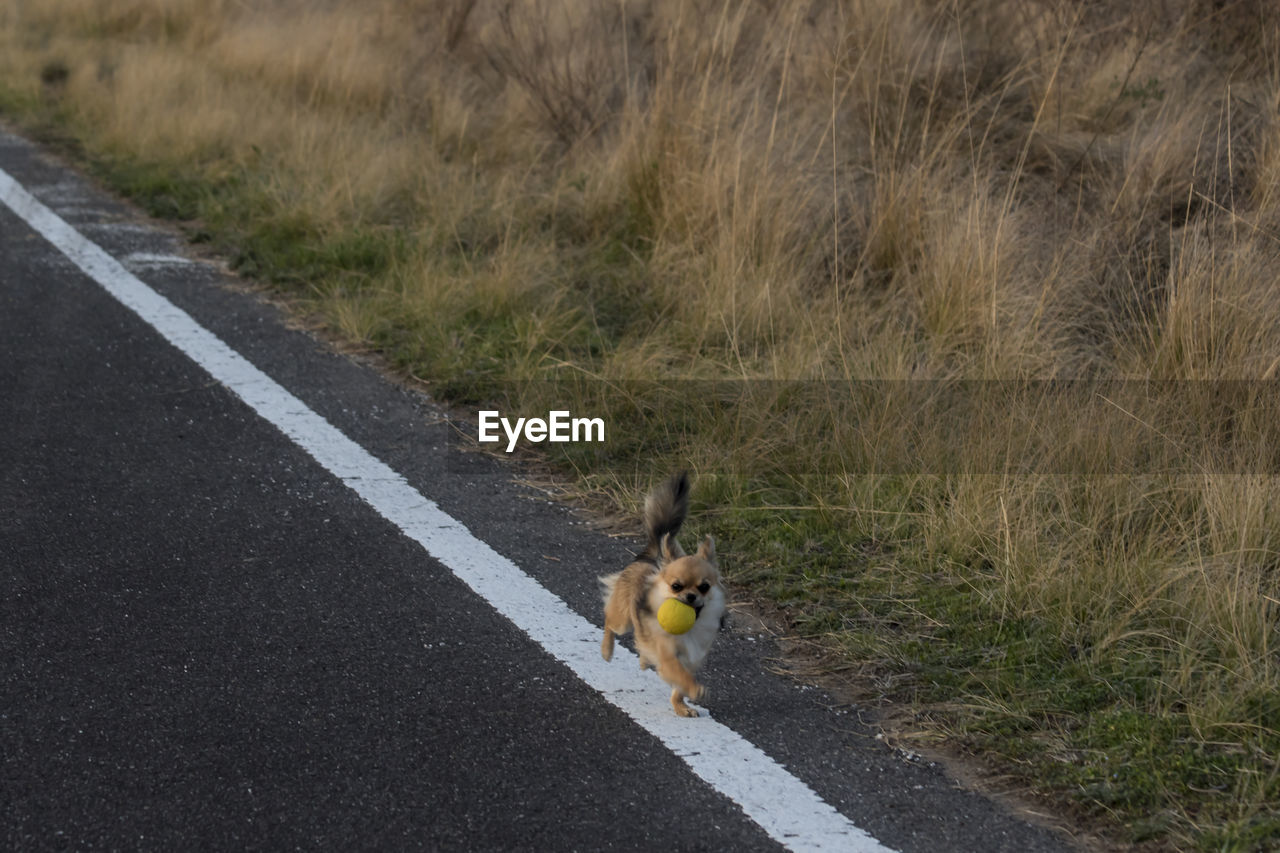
(677, 586)
(703, 587)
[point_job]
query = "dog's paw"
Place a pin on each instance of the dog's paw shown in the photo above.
(700, 693)
(686, 711)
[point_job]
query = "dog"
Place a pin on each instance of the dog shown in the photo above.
(661, 571)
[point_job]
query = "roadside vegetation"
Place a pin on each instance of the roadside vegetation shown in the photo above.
(965, 314)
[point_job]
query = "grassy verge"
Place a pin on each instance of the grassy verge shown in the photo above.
(963, 313)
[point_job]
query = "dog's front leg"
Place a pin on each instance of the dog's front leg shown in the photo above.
(684, 684)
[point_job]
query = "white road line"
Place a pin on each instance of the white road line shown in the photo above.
(786, 808)
(151, 260)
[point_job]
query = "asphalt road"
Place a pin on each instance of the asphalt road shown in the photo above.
(209, 641)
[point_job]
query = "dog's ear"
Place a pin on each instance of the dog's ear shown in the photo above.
(669, 548)
(707, 550)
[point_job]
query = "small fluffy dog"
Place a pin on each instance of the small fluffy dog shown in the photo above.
(661, 571)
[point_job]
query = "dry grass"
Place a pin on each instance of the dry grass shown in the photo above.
(790, 194)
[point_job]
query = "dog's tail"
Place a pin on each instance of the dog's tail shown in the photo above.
(664, 512)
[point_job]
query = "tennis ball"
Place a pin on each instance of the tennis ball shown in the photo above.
(675, 616)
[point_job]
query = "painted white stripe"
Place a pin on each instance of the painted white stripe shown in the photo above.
(786, 808)
(149, 260)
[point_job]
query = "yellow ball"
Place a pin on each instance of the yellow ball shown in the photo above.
(675, 616)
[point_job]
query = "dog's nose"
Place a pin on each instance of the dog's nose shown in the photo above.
(691, 598)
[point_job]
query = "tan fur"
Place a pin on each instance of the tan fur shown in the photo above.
(662, 571)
